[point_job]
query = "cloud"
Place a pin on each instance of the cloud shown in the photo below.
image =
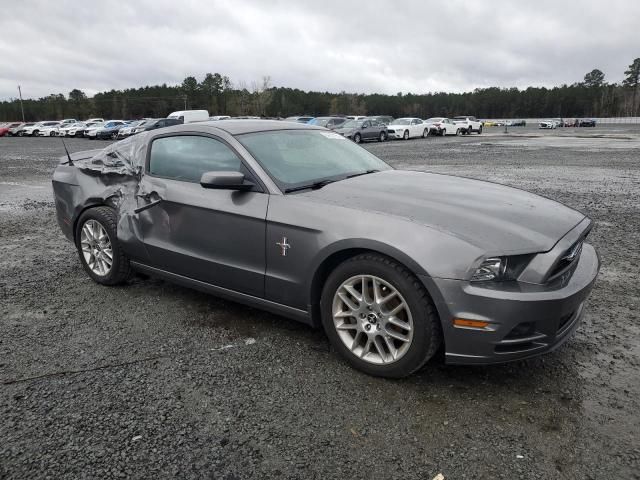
(374, 46)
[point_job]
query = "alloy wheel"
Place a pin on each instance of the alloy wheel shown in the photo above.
(96, 248)
(372, 319)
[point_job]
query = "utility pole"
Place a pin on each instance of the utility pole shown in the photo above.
(21, 107)
(185, 102)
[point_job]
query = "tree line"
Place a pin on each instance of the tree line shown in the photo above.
(592, 97)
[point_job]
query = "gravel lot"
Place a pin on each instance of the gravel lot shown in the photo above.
(152, 380)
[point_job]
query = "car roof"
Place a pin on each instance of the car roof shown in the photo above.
(239, 127)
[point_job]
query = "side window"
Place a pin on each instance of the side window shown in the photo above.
(366, 124)
(187, 157)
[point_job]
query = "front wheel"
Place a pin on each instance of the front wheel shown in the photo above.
(480, 130)
(100, 252)
(406, 135)
(379, 317)
(357, 138)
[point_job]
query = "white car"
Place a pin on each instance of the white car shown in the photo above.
(547, 124)
(130, 129)
(92, 130)
(220, 117)
(94, 120)
(64, 130)
(33, 130)
(442, 126)
(68, 121)
(49, 130)
(407, 128)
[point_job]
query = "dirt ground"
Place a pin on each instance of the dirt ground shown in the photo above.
(152, 380)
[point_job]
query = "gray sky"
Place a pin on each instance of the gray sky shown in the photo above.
(357, 46)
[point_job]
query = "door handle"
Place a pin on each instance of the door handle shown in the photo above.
(147, 197)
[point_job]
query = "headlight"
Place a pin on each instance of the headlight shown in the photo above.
(492, 268)
(501, 268)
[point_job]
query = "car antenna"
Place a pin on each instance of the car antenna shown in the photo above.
(70, 162)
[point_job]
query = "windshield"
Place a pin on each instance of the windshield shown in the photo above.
(322, 122)
(352, 124)
(294, 158)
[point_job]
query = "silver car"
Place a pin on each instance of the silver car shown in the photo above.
(297, 220)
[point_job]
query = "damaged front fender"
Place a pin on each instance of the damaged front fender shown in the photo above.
(108, 177)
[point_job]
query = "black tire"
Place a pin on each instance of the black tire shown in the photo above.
(357, 138)
(405, 135)
(120, 268)
(427, 328)
(458, 132)
(382, 137)
(425, 133)
(480, 130)
(114, 136)
(35, 133)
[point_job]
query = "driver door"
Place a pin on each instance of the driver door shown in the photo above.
(215, 236)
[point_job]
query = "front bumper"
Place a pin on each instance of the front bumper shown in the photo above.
(395, 134)
(525, 319)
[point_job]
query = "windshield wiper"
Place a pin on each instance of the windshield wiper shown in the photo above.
(311, 186)
(362, 173)
(327, 181)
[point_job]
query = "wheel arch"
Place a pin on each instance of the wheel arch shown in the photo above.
(337, 253)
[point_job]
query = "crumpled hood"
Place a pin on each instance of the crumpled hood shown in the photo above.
(496, 218)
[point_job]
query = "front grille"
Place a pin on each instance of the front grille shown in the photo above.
(391, 131)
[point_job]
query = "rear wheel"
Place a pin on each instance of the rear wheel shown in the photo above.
(458, 132)
(357, 138)
(480, 130)
(100, 252)
(379, 317)
(382, 137)
(425, 133)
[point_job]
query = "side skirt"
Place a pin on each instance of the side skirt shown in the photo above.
(260, 303)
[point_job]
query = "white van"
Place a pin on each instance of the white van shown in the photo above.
(190, 116)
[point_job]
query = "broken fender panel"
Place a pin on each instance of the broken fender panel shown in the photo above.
(110, 176)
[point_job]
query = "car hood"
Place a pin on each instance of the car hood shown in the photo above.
(342, 130)
(499, 219)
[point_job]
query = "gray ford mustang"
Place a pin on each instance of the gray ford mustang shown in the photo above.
(300, 221)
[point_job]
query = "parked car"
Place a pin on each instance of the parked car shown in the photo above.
(190, 116)
(393, 264)
(109, 130)
(468, 124)
(328, 122)
(161, 123)
(303, 119)
(34, 129)
(64, 130)
(363, 130)
(8, 128)
(547, 124)
(356, 117)
(407, 128)
(516, 123)
(220, 117)
(68, 121)
(90, 131)
(442, 126)
(49, 130)
(129, 128)
(19, 130)
(587, 122)
(94, 120)
(386, 119)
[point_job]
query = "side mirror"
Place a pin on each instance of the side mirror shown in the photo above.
(225, 181)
